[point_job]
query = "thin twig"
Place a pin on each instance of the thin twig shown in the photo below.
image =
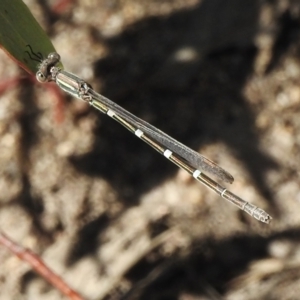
(39, 266)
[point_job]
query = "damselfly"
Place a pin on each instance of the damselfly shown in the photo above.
(179, 154)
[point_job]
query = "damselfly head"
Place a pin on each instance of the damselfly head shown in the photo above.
(53, 58)
(44, 72)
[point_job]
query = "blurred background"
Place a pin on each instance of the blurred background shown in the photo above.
(110, 215)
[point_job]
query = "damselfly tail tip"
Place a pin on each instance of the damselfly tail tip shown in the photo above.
(266, 219)
(262, 216)
(257, 213)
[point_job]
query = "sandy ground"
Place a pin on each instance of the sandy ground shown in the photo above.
(110, 215)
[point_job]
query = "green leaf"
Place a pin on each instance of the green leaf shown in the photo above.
(18, 29)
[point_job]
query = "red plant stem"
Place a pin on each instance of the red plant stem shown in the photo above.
(39, 266)
(61, 6)
(59, 103)
(9, 83)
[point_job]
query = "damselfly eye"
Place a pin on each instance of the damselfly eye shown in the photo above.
(41, 77)
(53, 58)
